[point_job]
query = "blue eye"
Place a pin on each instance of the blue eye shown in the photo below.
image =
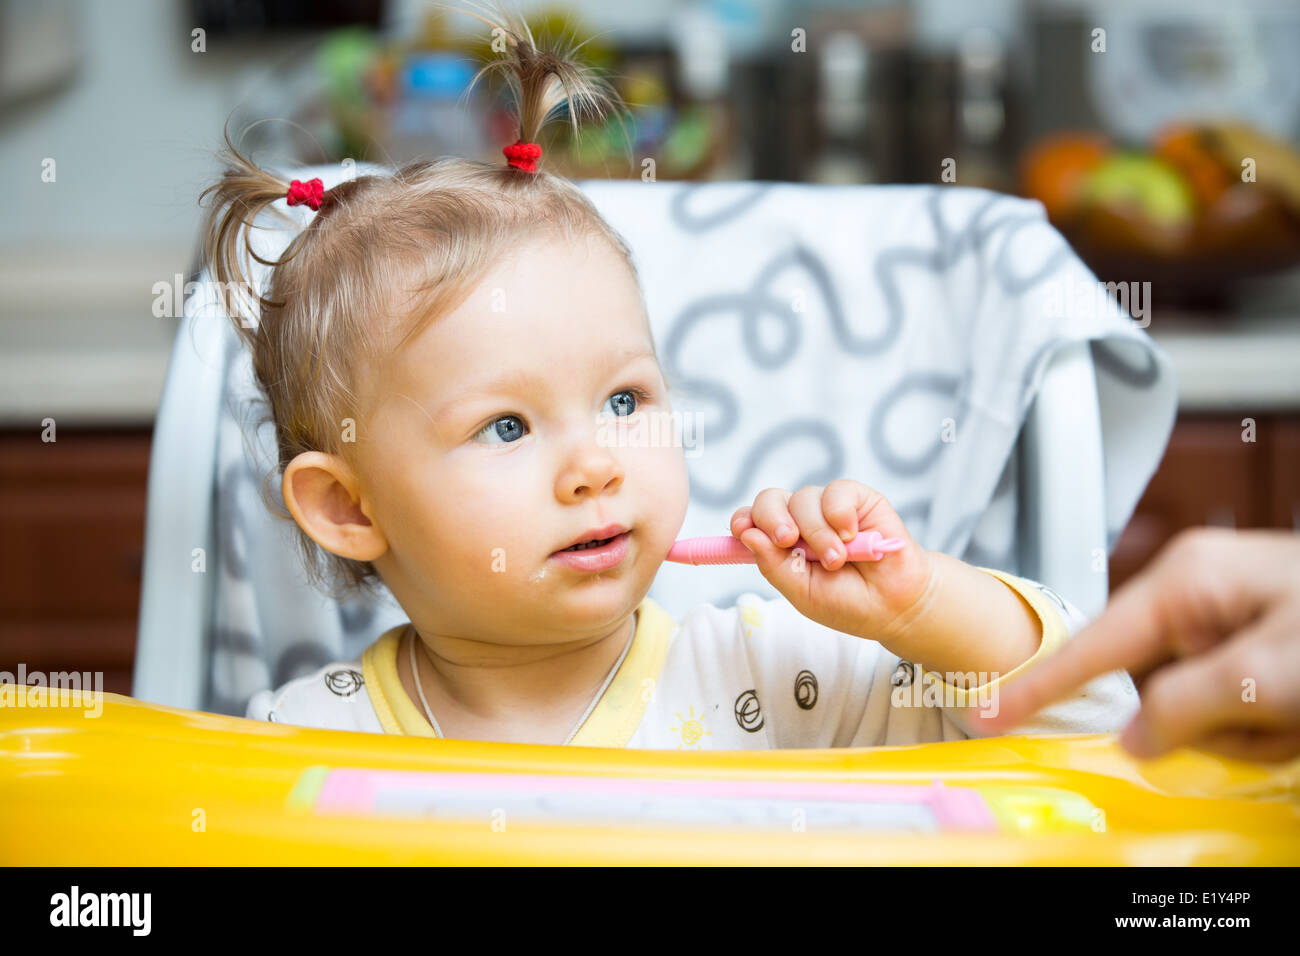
(504, 434)
(625, 407)
(510, 428)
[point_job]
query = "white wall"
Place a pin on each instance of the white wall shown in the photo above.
(128, 135)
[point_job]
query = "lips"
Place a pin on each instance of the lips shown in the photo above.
(596, 536)
(597, 558)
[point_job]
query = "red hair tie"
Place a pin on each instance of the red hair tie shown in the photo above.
(312, 192)
(523, 155)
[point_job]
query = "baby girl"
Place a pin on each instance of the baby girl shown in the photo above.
(451, 354)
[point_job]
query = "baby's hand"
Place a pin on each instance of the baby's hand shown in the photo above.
(872, 599)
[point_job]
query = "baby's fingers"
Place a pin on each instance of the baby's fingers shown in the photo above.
(843, 502)
(771, 515)
(807, 508)
(851, 507)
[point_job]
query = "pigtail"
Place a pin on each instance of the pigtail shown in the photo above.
(239, 197)
(542, 81)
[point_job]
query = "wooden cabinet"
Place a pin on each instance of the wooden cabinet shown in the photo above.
(1212, 475)
(1284, 476)
(72, 517)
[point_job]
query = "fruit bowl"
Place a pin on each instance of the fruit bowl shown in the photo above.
(1205, 208)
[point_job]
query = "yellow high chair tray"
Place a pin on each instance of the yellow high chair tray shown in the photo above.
(143, 784)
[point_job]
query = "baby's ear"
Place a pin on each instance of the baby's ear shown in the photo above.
(323, 495)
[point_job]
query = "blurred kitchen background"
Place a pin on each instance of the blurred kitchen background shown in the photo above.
(1129, 120)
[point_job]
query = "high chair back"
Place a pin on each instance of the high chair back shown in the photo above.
(941, 344)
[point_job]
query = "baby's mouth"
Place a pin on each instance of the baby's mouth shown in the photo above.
(593, 557)
(587, 546)
(616, 532)
(593, 545)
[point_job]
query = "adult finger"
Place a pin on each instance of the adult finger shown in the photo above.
(1199, 589)
(1255, 745)
(1251, 683)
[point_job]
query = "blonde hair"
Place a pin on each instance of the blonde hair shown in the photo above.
(334, 296)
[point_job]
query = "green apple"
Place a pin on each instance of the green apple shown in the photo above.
(1142, 183)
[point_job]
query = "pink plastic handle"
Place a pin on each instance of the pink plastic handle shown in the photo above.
(725, 549)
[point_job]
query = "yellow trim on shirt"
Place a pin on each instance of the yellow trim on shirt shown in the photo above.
(397, 715)
(616, 718)
(1054, 637)
(611, 723)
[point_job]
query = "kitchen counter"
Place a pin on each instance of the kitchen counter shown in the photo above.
(79, 341)
(1247, 364)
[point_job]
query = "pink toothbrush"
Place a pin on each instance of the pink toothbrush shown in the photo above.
(725, 549)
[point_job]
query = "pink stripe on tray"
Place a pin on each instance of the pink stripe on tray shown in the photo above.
(355, 789)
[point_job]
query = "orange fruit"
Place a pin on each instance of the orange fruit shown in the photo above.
(1053, 170)
(1184, 146)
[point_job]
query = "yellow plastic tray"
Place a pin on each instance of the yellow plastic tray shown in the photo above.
(145, 784)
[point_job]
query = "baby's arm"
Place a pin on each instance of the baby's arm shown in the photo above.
(967, 621)
(922, 605)
(1103, 705)
(973, 629)
(819, 687)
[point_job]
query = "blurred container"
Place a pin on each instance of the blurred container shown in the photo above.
(429, 117)
(1134, 73)
(903, 88)
(1164, 63)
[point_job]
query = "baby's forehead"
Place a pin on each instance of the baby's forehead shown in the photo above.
(573, 362)
(495, 361)
(566, 331)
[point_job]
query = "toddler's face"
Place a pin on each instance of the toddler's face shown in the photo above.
(498, 440)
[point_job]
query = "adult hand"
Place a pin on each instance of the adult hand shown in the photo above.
(1210, 632)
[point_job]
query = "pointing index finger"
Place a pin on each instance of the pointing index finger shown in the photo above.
(1200, 589)
(1128, 635)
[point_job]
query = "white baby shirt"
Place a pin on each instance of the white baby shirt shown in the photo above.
(755, 676)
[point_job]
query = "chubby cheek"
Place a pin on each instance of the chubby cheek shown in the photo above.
(665, 483)
(477, 527)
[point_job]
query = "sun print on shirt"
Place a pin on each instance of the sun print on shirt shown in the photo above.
(751, 617)
(691, 729)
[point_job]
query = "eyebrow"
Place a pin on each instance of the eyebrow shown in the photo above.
(522, 379)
